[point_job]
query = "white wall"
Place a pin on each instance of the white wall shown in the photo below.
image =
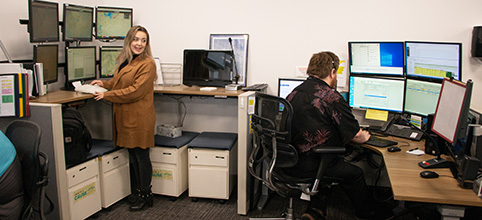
(283, 34)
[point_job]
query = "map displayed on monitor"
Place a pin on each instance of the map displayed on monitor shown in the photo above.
(108, 57)
(78, 22)
(113, 22)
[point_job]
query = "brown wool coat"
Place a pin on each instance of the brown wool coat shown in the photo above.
(132, 93)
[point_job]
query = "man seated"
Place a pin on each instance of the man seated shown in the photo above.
(323, 118)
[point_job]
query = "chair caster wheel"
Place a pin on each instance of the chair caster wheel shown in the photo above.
(194, 199)
(221, 201)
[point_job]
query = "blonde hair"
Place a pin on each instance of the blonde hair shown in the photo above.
(126, 53)
(322, 63)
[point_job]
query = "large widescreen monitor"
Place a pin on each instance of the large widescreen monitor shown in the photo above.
(43, 20)
(48, 55)
(78, 23)
(433, 60)
(108, 60)
(286, 85)
(80, 64)
(377, 93)
(421, 97)
(207, 67)
(112, 23)
(376, 58)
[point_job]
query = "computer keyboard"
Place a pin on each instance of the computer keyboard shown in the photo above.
(380, 142)
(87, 88)
(256, 87)
(404, 131)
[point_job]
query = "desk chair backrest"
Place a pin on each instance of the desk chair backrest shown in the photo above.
(25, 136)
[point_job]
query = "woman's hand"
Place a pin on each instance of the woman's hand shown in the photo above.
(97, 82)
(98, 96)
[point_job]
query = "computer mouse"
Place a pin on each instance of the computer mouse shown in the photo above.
(428, 174)
(394, 149)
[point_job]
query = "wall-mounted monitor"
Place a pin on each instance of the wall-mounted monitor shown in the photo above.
(433, 60)
(80, 64)
(421, 97)
(43, 24)
(78, 23)
(376, 58)
(112, 23)
(207, 67)
(286, 85)
(377, 93)
(108, 60)
(48, 55)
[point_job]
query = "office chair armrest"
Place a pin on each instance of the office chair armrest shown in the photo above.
(329, 150)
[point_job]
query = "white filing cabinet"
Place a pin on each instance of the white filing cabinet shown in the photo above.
(169, 164)
(114, 176)
(212, 166)
(84, 189)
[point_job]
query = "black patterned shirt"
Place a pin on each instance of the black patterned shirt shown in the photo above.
(321, 117)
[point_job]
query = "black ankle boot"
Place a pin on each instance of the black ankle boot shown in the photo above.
(133, 197)
(145, 200)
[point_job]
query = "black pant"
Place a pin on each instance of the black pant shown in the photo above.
(11, 192)
(141, 169)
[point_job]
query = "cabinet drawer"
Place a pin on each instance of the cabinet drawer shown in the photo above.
(208, 157)
(82, 172)
(165, 154)
(114, 159)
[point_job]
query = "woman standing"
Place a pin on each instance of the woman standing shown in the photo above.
(131, 90)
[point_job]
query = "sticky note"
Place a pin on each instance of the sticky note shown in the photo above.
(376, 114)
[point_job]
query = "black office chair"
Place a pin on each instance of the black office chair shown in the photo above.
(25, 136)
(271, 123)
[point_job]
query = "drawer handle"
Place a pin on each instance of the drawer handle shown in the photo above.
(219, 157)
(83, 168)
(115, 157)
(166, 153)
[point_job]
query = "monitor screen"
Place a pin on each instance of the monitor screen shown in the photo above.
(43, 21)
(207, 67)
(286, 85)
(108, 60)
(377, 93)
(112, 23)
(377, 58)
(421, 97)
(431, 60)
(80, 63)
(450, 119)
(78, 23)
(48, 55)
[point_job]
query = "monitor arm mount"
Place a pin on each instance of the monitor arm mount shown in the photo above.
(236, 76)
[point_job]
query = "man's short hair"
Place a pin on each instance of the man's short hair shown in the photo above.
(322, 63)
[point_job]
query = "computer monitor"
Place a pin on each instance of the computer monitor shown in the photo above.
(48, 55)
(78, 23)
(377, 93)
(433, 60)
(421, 97)
(207, 67)
(286, 85)
(80, 64)
(43, 21)
(108, 60)
(450, 119)
(112, 23)
(376, 58)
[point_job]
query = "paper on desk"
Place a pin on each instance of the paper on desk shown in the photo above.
(376, 114)
(76, 84)
(416, 152)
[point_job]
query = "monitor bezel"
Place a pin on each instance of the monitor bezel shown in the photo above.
(97, 23)
(204, 82)
(64, 26)
(290, 79)
(383, 78)
(427, 78)
(375, 74)
(35, 59)
(31, 30)
(66, 70)
(100, 59)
